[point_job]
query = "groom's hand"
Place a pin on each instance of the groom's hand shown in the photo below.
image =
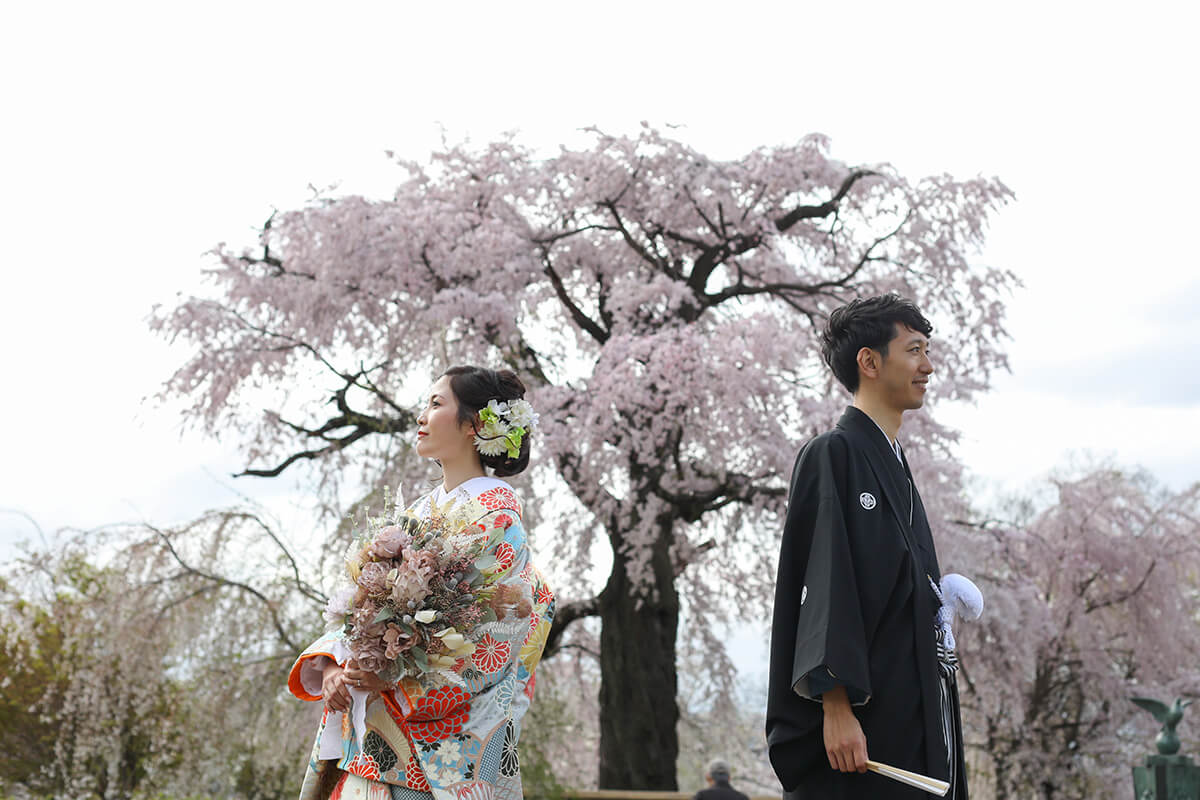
(845, 744)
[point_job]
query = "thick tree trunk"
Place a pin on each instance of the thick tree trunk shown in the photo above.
(638, 712)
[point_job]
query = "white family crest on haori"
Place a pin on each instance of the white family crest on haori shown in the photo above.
(867, 500)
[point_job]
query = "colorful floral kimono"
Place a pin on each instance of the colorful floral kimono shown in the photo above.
(450, 742)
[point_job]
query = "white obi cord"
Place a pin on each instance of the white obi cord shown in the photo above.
(311, 676)
(960, 598)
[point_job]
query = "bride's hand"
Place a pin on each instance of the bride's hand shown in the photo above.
(334, 688)
(361, 679)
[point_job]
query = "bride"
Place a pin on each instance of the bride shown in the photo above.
(388, 741)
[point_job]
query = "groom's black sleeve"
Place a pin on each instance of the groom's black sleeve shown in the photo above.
(817, 625)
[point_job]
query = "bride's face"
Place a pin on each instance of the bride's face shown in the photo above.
(439, 434)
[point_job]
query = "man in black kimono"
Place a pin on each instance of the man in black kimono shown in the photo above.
(855, 669)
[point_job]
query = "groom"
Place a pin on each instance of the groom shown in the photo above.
(855, 670)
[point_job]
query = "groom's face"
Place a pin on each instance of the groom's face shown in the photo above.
(905, 370)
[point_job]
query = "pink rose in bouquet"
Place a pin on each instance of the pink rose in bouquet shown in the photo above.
(390, 542)
(364, 621)
(372, 657)
(396, 641)
(374, 580)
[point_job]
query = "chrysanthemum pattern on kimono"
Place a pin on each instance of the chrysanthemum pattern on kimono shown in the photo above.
(453, 742)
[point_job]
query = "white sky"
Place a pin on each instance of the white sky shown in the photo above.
(136, 137)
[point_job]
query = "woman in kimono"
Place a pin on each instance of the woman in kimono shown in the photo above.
(455, 742)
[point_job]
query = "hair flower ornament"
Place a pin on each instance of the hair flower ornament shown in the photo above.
(504, 427)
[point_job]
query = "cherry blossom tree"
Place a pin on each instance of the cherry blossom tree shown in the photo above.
(1088, 602)
(661, 305)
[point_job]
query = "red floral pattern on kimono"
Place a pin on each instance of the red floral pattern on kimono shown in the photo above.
(500, 497)
(439, 714)
(364, 767)
(415, 777)
(504, 555)
(490, 655)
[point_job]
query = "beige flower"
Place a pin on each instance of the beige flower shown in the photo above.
(490, 440)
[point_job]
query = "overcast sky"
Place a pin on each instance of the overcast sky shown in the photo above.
(136, 137)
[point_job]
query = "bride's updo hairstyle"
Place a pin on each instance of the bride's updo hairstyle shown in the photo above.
(473, 387)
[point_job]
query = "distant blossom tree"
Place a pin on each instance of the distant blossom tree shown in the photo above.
(31, 654)
(663, 307)
(157, 677)
(1088, 602)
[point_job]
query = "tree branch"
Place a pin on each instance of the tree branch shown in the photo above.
(695, 553)
(222, 581)
(1121, 597)
(302, 586)
(560, 289)
(716, 255)
(363, 424)
(823, 209)
(736, 488)
(590, 493)
(554, 238)
(740, 289)
(564, 616)
(633, 244)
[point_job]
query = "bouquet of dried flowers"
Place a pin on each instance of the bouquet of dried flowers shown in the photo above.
(414, 586)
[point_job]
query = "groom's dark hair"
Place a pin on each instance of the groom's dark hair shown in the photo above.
(866, 322)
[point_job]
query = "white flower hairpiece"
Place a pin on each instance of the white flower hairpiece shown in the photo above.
(504, 427)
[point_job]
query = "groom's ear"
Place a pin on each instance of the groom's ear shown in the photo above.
(869, 362)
